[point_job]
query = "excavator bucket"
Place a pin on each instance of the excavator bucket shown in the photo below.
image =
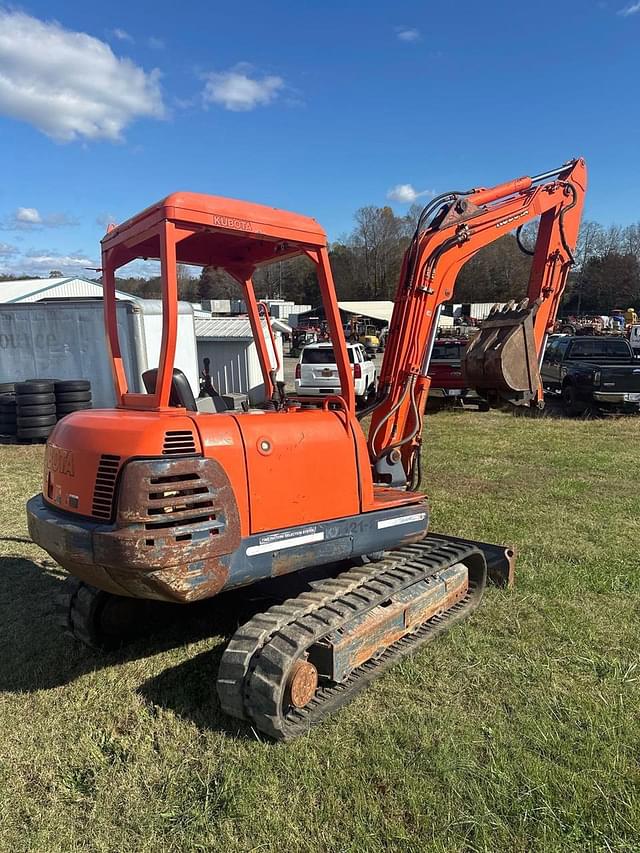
(501, 362)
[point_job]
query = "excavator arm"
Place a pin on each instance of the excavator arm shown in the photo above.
(502, 362)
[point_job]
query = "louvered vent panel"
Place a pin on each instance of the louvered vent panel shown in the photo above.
(178, 441)
(105, 486)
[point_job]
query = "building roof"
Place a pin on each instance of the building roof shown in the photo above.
(35, 289)
(224, 327)
(378, 309)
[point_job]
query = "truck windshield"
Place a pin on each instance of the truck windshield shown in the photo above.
(446, 352)
(323, 355)
(600, 348)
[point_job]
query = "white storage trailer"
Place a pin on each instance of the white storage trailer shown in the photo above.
(65, 339)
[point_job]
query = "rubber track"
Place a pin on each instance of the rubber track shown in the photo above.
(253, 670)
(75, 606)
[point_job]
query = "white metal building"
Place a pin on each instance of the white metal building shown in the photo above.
(235, 367)
(36, 289)
(379, 309)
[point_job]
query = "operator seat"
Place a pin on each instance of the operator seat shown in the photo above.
(181, 393)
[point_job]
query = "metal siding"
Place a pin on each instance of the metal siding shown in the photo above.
(235, 366)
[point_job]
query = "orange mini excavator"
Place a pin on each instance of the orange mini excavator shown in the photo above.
(159, 499)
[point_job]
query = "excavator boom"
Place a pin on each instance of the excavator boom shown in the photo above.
(502, 362)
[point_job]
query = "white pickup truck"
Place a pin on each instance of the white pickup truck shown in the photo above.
(317, 372)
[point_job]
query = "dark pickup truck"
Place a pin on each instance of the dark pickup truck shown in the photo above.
(592, 372)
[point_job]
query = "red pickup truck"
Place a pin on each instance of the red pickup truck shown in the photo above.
(447, 381)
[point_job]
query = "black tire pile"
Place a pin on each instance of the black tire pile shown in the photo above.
(8, 424)
(34, 407)
(72, 395)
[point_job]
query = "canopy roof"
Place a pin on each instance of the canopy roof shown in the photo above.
(226, 232)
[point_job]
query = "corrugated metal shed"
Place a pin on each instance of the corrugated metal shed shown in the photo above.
(235, 367)
(36, 289)
(216, 328)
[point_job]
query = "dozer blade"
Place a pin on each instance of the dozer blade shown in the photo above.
(501, 362)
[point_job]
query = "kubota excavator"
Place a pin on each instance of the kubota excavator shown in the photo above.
(158, 499)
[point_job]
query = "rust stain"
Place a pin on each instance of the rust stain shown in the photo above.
(176, 525)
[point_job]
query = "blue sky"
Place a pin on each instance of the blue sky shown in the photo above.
(316, 107)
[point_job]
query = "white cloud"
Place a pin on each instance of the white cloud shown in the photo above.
(68, 84)
(407, 194)
(630, 10)
(408, 34)
(155, 42)
(123, 35)
(42, 261)
(236, 90)
(7, 249)
(55, 259)
(105, 219)
(28, 215)
(30, 219)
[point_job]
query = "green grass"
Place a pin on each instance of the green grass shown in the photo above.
(518, 731)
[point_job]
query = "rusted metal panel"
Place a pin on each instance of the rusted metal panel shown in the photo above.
(161, 546)
(364, 636)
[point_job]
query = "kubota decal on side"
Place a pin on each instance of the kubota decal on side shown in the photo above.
(60, 461)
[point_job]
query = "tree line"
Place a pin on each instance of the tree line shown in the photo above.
(366, 265)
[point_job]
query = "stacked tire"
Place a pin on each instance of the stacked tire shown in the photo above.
(72, 395)
(8, 424)
(35, 409)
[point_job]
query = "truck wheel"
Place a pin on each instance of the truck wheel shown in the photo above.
(35, 399)
(36, 421)
(67, 386)
(35, 386)
(34, 432)
(36, 411)
(73, 397)
(68, 408)
(570, 403)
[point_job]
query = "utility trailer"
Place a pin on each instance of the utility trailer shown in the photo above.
(66, 339)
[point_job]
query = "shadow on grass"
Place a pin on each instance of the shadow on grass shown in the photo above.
(37, 654)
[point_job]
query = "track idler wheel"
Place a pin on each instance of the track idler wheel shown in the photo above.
(98, 619)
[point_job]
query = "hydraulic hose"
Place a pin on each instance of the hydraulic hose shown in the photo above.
(565, 210)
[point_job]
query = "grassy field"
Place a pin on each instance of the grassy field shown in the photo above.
(518, 731)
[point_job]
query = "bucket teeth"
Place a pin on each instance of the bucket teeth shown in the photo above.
(501, 361)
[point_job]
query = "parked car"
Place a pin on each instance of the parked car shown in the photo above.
(592, 372)
(317, 372)
(445, 370)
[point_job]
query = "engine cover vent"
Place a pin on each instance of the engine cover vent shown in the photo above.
(105, 486)
(178, 441)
